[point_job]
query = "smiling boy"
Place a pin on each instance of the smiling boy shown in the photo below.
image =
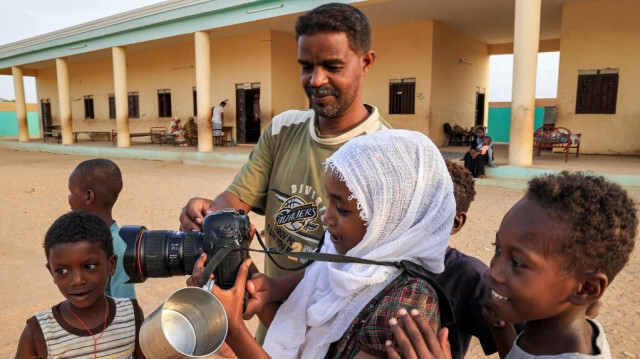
(557, 251)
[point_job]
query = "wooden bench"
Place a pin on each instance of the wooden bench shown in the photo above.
(549, 136)
(52, 134)
(114, 135)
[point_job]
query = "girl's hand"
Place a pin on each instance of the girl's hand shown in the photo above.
(232, 298)
(419, 341)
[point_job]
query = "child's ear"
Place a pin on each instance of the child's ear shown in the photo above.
(591, 288)
(90, 197)
(48, 268)
(458, 221)
(113, 260)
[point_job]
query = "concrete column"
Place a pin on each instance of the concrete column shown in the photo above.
(21, 104)
(203, 91)
(66, 128)
(525, 61)
(120, 95)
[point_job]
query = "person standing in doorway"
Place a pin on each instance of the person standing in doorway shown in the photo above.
(216, 122)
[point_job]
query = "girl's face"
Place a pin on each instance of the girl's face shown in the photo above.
(342, 217)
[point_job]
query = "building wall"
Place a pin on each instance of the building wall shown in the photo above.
(9, 120)
(402, 51)
(285, 74)
(597, 35)
(454, 84)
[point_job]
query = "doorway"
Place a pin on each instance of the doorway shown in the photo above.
(45, 108)
(248, 112)
(479, 121)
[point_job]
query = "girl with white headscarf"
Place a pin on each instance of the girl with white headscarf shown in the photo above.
(398, 186)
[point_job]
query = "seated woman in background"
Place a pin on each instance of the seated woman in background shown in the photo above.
(190, 128)
(175, 129)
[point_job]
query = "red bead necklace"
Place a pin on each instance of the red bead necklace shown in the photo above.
(95, 340)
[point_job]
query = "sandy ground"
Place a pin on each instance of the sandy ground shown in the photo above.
(34, 188)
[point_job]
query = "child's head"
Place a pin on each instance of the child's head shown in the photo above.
(463, 191)
(560, 246)
(79, 251)
(486, 140)
(94, 184)
(390, 192)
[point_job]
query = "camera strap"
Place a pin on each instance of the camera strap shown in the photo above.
(447, 317)
(214, 262)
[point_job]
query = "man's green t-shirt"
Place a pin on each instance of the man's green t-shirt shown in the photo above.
(284, 180)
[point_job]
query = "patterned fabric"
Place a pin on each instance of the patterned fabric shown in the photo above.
(370, 329)
(55, 338)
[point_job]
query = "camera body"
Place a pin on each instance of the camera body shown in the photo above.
(166, 253)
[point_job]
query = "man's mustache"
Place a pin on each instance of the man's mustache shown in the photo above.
(321, 91)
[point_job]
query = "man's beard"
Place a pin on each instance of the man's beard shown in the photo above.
(325, 110)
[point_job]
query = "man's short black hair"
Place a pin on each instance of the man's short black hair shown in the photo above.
(103, 177)
(463, 186)
(336, 18)
(78, 226)
(601, 219)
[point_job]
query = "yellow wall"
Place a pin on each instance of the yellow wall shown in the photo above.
(241, 59)
(285, 74)
(597, 35)
(454, 84)
(409, 57)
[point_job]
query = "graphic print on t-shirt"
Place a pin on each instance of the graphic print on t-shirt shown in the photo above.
(298, 226)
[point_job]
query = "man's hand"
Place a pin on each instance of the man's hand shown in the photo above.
(193, 213)
(417, 340)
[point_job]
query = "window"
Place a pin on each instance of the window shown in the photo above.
(402, 94)
(112, 106)
(195, 102)
(88, 106)
(134, 105)
(597, 91)
(164, 103)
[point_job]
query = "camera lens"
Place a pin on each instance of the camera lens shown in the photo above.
(161, 253)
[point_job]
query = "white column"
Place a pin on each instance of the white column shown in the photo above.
(62, 72)
(203, 91)
(21, 104)
(525, 60)
(120, 95)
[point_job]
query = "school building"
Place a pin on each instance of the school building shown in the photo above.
(136, 70)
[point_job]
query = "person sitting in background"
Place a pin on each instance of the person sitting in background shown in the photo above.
(175, 129)
(486, 146)
(191, 129)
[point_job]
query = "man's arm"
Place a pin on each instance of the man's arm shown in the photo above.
(198, 207)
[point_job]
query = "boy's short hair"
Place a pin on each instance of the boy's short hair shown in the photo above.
(488, 138)
(78, 226)
(103, 177)
(463, 186)
(335, 17)
(602, 219)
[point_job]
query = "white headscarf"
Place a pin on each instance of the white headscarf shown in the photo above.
(405, 195)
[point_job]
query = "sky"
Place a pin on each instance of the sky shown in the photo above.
(22, 19)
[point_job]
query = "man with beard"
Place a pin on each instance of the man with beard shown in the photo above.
(284, 176)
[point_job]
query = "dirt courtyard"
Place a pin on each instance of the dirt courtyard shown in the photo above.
(34, 194)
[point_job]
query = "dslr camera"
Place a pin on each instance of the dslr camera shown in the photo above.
(166, 253)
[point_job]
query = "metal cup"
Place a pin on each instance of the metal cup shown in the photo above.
(190, 324)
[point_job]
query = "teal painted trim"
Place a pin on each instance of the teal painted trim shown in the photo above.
(499, 124)
(9, 124)
(189, 19)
